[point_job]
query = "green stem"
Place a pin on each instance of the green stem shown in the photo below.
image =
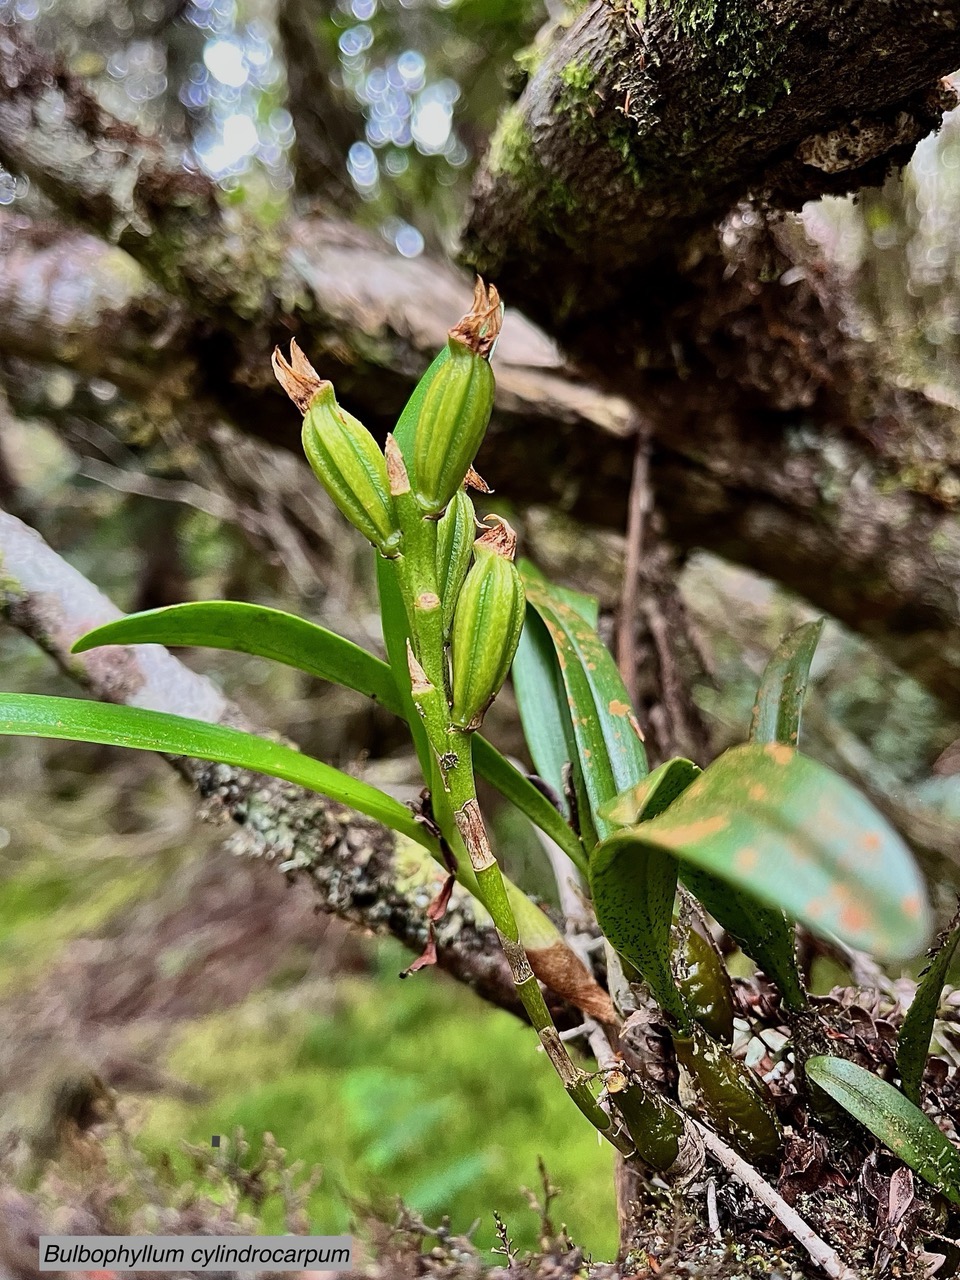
(452, 748)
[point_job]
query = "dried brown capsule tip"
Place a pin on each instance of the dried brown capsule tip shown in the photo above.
(474, 480)
(480, 327)
(396, 467)
(498, 537)
(297, 376)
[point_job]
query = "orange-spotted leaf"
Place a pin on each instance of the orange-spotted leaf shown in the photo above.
(797, 836)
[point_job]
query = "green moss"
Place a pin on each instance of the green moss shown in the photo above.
(511, 150)
(414, 1089)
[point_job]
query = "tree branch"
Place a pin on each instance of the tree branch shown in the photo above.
(326, 124)
(351, 862)
(776, 442)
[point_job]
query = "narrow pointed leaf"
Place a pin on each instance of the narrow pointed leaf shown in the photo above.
(897, 1122)
(913, 1042)
(77, 720)
(283, 637)
(779, 704)
(257, 630)
(794, 834)
(519, 790)
(609, 745)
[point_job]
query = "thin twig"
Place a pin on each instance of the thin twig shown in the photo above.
(805, 1236)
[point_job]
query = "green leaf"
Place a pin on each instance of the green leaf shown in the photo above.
(77, 720)
(609, 745)
(653, 794)
(542, 703)
(529, 799)
(779, 704)
(633, 887)
(893, 1119)
(798, 836)
(255, 629)
(283, 637)
(913, 1042)
(763, 932)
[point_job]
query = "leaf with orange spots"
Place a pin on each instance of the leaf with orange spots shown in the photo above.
(808, 843)
(779, 704)
(608, 741)
(913, 1042)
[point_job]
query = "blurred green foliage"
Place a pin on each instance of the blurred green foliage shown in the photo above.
(411, 1089)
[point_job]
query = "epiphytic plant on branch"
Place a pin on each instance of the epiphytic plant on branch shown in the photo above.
(760, 839)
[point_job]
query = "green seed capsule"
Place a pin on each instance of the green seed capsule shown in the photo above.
(486, 626)
(455, 404)
(731, 1099)
(453, 418)
(456, 532)
(348, 463)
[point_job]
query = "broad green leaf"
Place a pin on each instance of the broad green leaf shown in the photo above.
(633, 887)
(255, 629)
(779, 704)
(653, 794)
(798, 836)
(897, 1122)
(283, 637)
(609, 744)
(763, 932)
(77, 720)
(913, 1042)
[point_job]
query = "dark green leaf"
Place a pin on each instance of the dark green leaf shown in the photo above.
(609, 744)
(76, 720)
(796, 835)
(913, 1042)
(633, 888)
(763, 932)
(255, 629)
(893, 1119)
(779, 704)
(519, 790)
(542, 703)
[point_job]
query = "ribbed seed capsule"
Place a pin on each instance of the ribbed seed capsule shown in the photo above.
(486, 626)
(456, 531)
(456, 406)
(348, 463)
